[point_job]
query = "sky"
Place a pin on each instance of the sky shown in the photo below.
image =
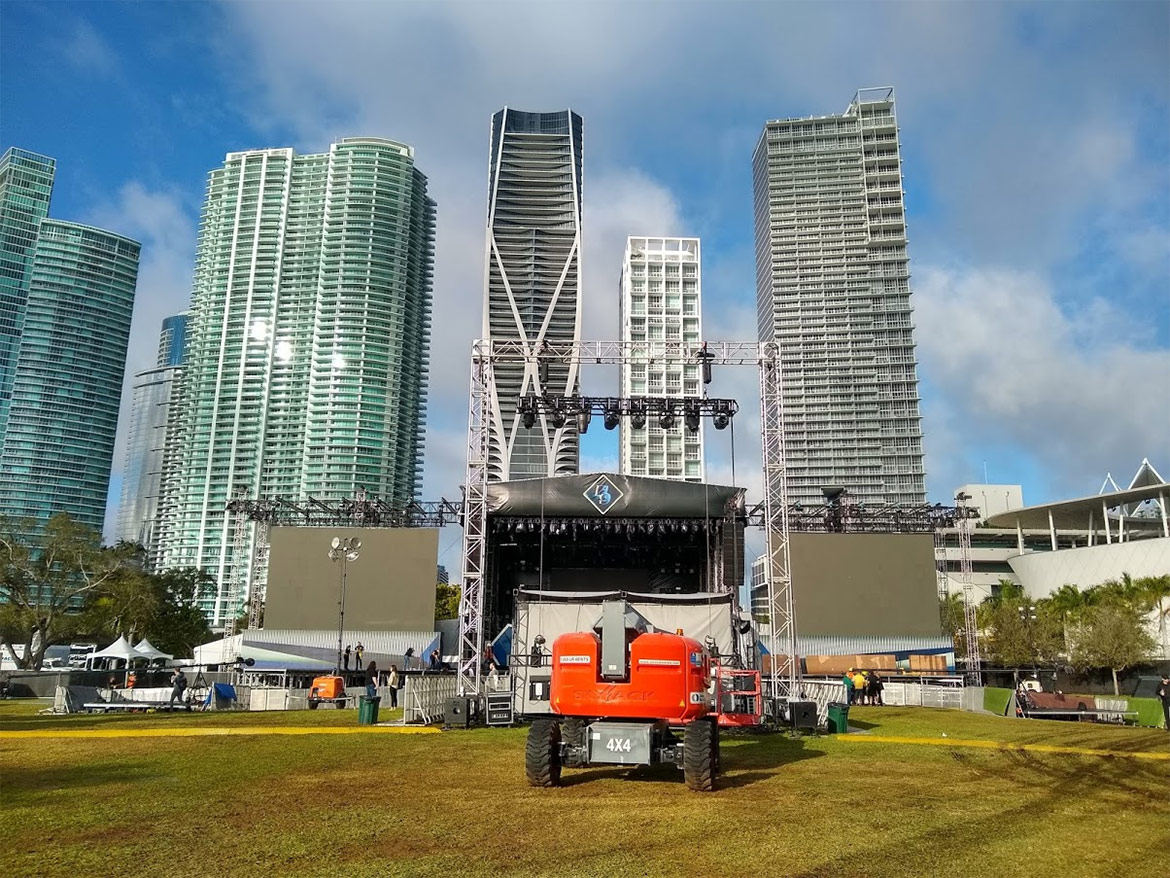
(1035, 141)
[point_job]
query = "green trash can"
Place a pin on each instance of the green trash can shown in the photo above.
(368, 710)
(838, 718)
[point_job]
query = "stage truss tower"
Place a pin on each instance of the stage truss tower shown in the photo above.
(487, 354)
(970, 620)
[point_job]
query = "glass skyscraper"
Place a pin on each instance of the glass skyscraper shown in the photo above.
(307, 347)
(533, 283)
(67, 299)
(833, 290)
(146, 439)
(661, 300)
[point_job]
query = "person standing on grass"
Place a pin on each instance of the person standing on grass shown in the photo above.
(848, 681)
(178, 687)
(1164, 694)
(392, 685)
(371, 679)
(345, 657)
(876, 687)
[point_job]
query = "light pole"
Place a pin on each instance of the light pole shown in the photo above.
(343, 549)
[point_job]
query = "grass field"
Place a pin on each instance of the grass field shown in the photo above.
(456, 803)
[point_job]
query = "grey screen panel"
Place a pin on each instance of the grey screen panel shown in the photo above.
(864, 584)
(390, 587)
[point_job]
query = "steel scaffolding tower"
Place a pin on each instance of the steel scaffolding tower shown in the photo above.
(486, 354)
(970, 622)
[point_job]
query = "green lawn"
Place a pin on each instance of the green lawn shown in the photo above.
(457, 804)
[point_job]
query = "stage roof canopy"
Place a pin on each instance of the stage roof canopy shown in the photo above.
(611, 496)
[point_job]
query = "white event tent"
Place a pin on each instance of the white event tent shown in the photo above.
(147, 649)
(119, 650)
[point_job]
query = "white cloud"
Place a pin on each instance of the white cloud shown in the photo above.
(1015, 368)
(86, 49)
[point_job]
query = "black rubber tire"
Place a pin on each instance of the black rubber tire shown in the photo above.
(542, 755)
(573, 734)
(700, 755)
(313, 704)
(573, 731)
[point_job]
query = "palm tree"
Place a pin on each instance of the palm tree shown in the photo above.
(1157, 592)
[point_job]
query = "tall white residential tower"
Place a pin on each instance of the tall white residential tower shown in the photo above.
(532, 283)
(661, 300)
(307, 348)
(833, 289)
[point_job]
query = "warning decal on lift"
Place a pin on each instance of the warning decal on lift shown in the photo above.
(665, 663)
(574, 660)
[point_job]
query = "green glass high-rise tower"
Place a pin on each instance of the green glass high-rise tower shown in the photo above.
(65, 308)
(307, 347)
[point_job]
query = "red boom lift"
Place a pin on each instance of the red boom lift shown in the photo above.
(624, 694)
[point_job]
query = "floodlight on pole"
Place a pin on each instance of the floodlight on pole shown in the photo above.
(343, 549)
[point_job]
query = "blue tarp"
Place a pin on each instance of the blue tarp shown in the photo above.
(221, 692)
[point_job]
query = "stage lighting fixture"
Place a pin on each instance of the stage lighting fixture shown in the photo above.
(612, 417)
(528, 412)
(583, 418)
(638, 415)
(556, 418)
(667, 419)
(721, 420)
(705, 358)
(691, 416)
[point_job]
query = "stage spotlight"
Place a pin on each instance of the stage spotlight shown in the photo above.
(667, 419)
(705, 358)
(721, 418)
(528, 412)
(583, 418)
(556, 418)
(691, 416)
(613, 417)
(638, 415)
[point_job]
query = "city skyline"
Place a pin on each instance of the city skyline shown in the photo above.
(532, 292)
(66, 306)
(1039, 217)
(833, 291)
(307, 350)
(146, 439)
(661, 291)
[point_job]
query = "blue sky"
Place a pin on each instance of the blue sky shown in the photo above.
(1035, 141)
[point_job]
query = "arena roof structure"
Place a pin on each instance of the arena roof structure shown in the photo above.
(1110, 512)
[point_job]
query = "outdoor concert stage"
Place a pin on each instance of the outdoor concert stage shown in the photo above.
(608, 532)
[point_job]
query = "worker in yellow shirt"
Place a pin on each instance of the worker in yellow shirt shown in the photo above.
(859, 683)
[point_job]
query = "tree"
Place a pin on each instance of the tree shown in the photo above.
(162, 607)
(1111, 634)
(447, 601)
(1019, 633)
(179, 625)
(950, 611)
(48, 575)
(1157, 592)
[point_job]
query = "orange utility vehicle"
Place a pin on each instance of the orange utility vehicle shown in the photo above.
(624, 694)
(329, 689)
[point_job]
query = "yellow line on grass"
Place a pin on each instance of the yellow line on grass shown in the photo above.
(1001, 745)
(218, 731)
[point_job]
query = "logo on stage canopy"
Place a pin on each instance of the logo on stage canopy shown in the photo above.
(603, 494)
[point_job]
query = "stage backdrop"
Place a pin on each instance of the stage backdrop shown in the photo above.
(390, 587)
(864, 584)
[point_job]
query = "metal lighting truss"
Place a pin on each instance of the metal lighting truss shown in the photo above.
(582, 408)
(970, 623)
(485, 354)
